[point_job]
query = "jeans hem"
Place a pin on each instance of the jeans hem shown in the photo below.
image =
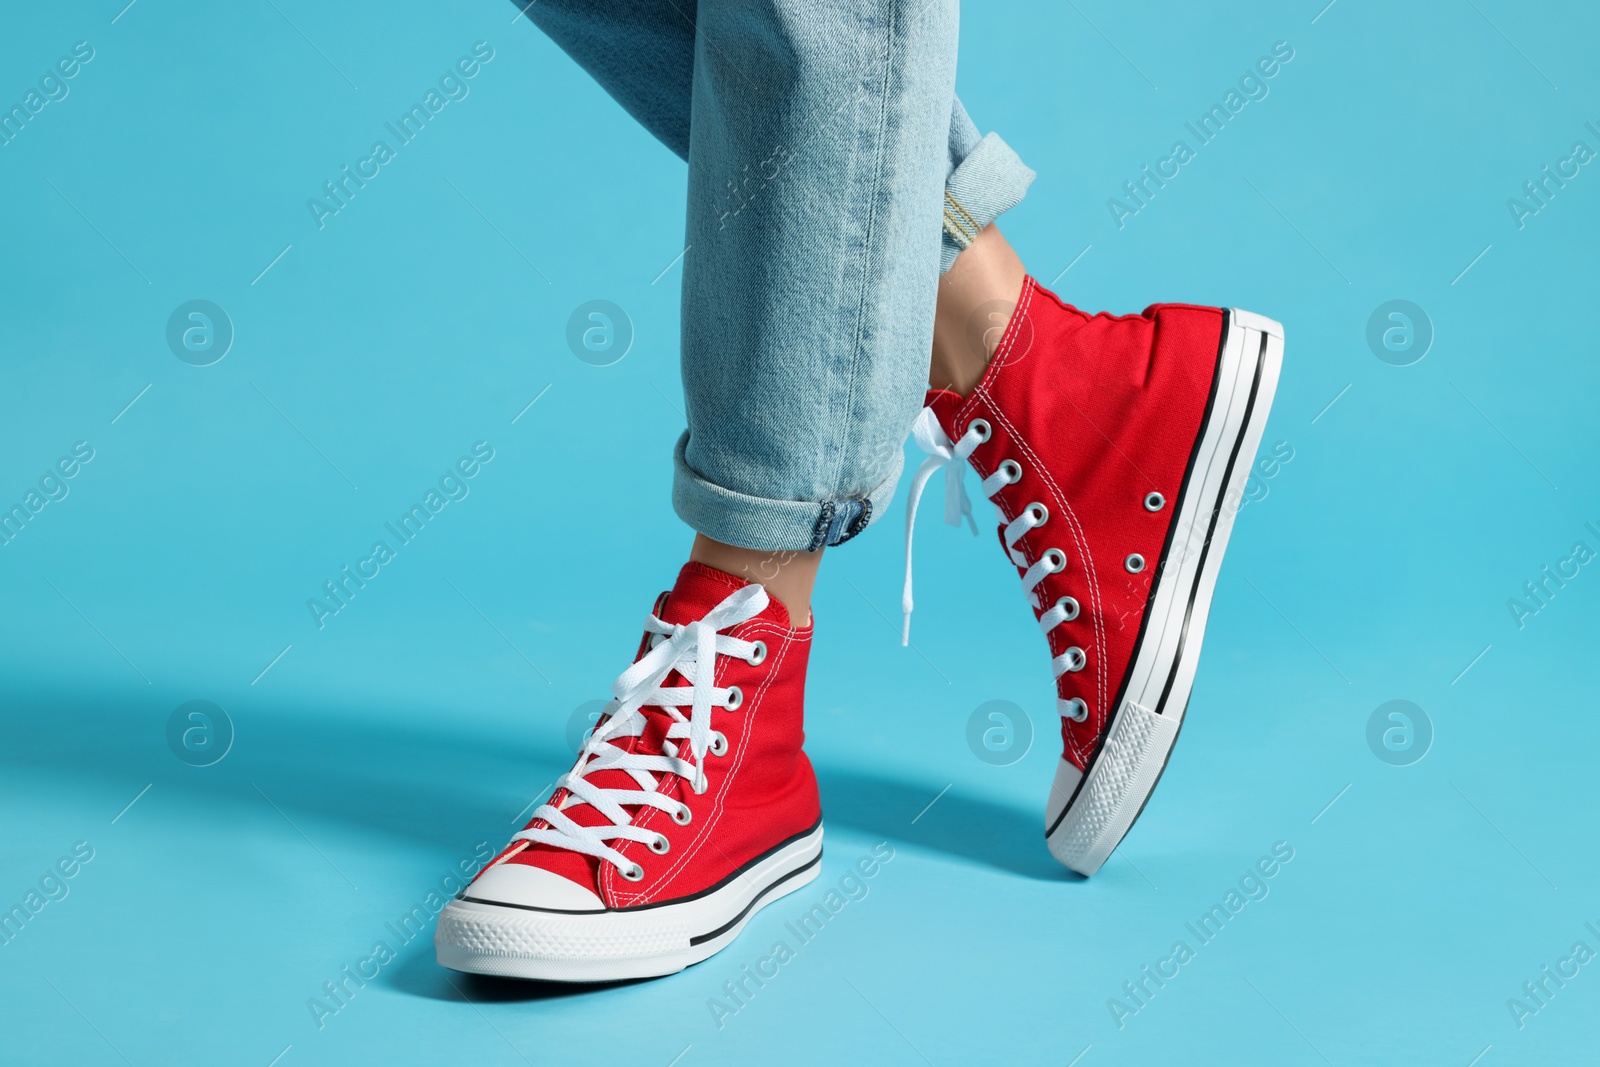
(990, 181)
(736, 518)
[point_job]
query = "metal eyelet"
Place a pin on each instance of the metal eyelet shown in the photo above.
(1076, 658)
(1070, 606)
(719, 744)
(758, 654)
(735, 698)
(660, 846)
(1154, 501)
(633, 873)
(1038, 511)
(1076, 710)
(1012, 470)
(683, 816)
(1134, 563)
(1055, 559)
(981, 428)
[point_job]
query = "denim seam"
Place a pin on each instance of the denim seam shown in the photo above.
(824, 524)
(771, 524)
(819, 532)
(887, 78)
(956, 234)
(963, 230)
(861, 521)
(991, 180)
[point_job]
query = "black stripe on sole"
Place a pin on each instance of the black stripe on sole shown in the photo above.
(779, 847)
(1216, 515)
(700, 939)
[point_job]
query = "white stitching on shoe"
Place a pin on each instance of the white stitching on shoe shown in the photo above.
(1024, 303)
(691, 650)
(943, 452)
(1081, 541)
(750, 706)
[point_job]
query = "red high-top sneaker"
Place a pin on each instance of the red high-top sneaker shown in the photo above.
(1116, 449)
(691, 806)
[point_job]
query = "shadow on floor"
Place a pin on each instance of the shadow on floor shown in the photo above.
(436, 782)
(429, 782)
(958, 823)
(420, 975)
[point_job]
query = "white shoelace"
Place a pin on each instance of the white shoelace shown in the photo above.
(952, 458)
(691, 650)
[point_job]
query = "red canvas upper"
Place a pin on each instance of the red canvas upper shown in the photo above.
(1099, 410)
(761, 793)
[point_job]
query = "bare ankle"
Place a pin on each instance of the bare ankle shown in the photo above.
(976, 298)
(788, 575)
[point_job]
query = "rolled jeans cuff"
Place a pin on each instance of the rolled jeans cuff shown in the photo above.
(736, 518)
(989, 180)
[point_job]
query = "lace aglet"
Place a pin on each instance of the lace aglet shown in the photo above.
(905, 631)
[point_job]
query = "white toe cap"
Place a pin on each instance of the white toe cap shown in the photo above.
(1067, 778)
(523, 886)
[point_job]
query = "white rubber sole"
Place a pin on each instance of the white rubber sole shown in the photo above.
(1089, 814)
(618, 944)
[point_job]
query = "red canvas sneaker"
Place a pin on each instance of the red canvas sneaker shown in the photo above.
(1116, 449)
(691, 806)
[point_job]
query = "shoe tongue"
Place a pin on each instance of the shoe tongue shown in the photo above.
(700, 588)
(945, 404)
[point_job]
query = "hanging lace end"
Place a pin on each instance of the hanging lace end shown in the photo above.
(951, 457)
(907, 604)
(957, 505)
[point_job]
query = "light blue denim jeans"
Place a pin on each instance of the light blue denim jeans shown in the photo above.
(833, 175)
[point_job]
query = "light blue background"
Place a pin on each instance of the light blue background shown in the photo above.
(378, 751)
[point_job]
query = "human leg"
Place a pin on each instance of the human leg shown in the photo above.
(643, 54)
(809, 287)
(788, 576)
(808, 307)
(976, 298)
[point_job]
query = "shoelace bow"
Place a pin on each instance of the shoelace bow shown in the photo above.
(691, 650)
(952, 458)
